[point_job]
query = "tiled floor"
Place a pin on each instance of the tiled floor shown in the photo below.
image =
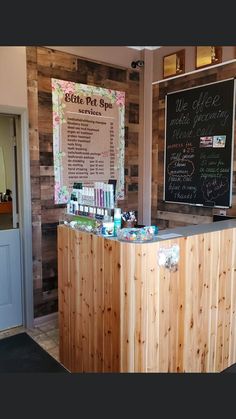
(45, 334)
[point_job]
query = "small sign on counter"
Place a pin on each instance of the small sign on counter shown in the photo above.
(169, 236)
(169, 257)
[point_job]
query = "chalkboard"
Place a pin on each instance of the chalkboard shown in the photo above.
(199, 134)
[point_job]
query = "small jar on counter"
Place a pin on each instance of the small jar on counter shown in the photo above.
(107, 226)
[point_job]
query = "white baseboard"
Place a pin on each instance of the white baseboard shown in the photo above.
(45, 319)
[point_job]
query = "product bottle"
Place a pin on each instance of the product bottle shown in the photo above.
(75, 206)
(117, 220)
(72, 197)
(107, 226)
(111, 196)
(80, 195)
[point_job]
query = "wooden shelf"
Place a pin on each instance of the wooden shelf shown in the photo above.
(206, 56)
(174, 64)
(6, 207)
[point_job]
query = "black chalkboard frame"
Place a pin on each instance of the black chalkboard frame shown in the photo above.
(229, 205)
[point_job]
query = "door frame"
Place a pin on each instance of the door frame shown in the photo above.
(25, 213)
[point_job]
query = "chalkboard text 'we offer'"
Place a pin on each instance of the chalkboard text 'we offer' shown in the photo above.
(206, 108)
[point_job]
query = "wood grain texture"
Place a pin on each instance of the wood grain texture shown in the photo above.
(167, 209)
(42, 65)
(64, 299)
(128, 314)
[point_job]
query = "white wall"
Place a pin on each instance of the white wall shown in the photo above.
(120, 56)
(13, 74)
(13, 79)
(6, 144)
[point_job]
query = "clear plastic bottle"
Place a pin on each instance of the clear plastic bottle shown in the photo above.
(117, 220)
(75, 206)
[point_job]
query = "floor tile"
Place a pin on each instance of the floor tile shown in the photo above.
(53, 334)
(44, 341)
(54, 352)
(45, 327)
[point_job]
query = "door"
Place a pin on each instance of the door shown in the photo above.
(10, 245)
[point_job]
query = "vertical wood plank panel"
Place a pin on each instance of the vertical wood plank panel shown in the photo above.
(112, 306)
(181, 306)
(214, 292)
(127, 304)
(191, 269)
(115, 361)
(98, 255)
(71, 290)
(153, 279)
(164, 314)
(232, 348)
(226, 243)
(108, 257)
(64, 298)
(76, 290)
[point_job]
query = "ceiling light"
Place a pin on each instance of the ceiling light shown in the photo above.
(140, 48)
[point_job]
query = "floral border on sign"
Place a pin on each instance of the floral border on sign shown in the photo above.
(59, 88)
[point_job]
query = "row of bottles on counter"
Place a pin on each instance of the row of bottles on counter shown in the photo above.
(74, 208)
(101, 195)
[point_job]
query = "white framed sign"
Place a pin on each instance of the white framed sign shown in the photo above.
(88, 136)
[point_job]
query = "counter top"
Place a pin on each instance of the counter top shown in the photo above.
(192, 230)
(185, 231)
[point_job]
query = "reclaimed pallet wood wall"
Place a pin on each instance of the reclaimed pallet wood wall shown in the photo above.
(42, 65)
(186, 213)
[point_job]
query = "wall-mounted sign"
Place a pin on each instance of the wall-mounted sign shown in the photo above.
(199, 145)
(88, 136)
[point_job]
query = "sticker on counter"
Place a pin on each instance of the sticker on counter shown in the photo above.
(169, 236)
(169, 257)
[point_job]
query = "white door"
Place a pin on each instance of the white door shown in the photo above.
(10, 246)
(10, 279)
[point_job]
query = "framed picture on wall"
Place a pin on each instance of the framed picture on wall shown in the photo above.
(174, 64)
(205, 56)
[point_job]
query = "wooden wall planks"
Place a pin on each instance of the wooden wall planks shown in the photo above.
(42, 65)
(159, 91)
(128, 314)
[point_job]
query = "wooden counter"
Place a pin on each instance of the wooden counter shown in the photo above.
(119, 311)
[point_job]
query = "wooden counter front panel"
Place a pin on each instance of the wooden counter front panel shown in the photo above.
(152, 328)
(121, 311)
(89, 305)
(65, 347)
